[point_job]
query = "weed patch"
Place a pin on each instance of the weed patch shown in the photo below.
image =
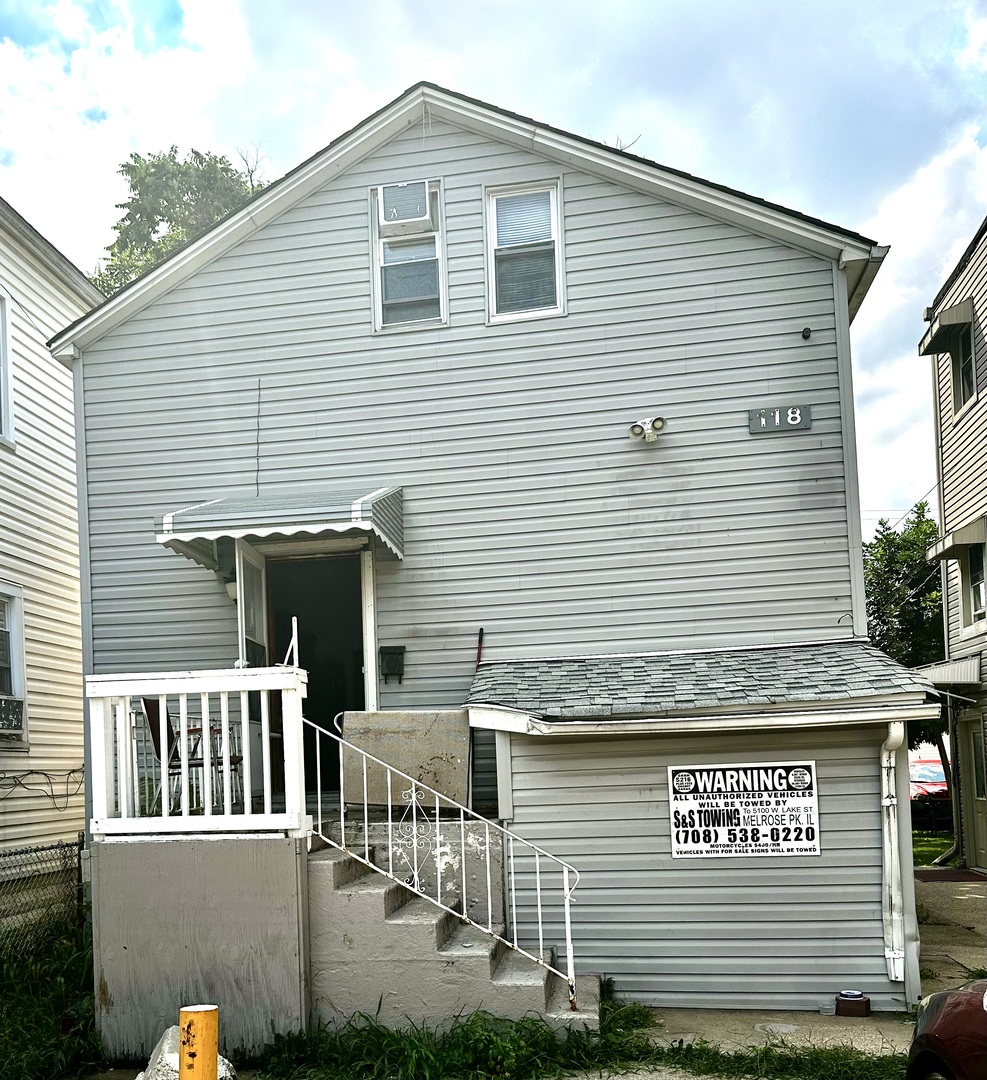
(480, 1046)
(47, 1024)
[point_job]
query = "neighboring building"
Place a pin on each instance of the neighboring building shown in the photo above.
(41, 724)
(955, 340)
(461, 371)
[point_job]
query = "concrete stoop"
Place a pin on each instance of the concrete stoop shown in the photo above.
(378, 948)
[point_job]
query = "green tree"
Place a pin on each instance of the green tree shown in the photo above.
(172, 200)
(904, 601)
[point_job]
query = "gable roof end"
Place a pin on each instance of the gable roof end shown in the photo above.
(859, 256)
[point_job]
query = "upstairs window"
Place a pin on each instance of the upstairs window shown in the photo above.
(963, 369)
(525, 258)
(408, 273)
(6, 400)
(975, 590)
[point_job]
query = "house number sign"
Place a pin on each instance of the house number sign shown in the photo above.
(780, 418)
(735, 811)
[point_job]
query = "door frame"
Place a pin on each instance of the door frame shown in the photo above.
(300, 550)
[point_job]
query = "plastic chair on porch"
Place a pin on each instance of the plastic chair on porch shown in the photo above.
(195, 763)
(171, 762)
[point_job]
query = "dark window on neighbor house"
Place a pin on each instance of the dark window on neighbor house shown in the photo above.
(975, 583)
(963, 368)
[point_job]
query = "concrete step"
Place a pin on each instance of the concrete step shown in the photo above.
(377, 947)
(559, 1011)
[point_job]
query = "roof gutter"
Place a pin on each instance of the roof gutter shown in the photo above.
(860, 273)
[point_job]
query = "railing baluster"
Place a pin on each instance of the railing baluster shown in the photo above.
(205, 744)
(166, 754)
(570, 964)
(265, 745)
(438, 852)
(342, 797)
(224, 735)
(124, 786)
(390, 827)
(366, 815)
(318, 781)
(541, 935)
(183, 749)
(512, 881)
(462, 856)
(414, 832)
(486, 827)
(245, 750)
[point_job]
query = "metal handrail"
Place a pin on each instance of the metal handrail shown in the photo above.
(421, 825)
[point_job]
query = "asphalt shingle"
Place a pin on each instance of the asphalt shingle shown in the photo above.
(658, 683)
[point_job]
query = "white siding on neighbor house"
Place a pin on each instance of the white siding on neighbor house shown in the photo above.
(963, 449)
(528, 511)
(39, 552)
(784, 932)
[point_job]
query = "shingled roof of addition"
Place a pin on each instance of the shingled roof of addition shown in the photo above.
(655, 683)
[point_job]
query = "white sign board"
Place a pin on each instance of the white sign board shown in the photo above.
(726, 811)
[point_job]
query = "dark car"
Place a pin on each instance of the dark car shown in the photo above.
(950, 1038)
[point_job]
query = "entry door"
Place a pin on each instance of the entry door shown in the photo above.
(977, 788)
(251, 595)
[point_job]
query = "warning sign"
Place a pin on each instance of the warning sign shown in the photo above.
(726, 811)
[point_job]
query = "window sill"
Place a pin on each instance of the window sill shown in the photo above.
(973, 630)
(526, 316)
(8, 444)
(403, 328)
(960, 414)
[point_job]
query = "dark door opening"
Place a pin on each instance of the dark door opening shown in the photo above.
(325, 595)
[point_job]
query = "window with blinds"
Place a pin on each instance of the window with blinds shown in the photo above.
(408, 254)
(11, 667)
(525, 257)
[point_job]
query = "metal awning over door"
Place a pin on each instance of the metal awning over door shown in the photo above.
(192, 530)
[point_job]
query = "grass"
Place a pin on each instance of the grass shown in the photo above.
(928, 846)
(47, 1026)
(480, 1046)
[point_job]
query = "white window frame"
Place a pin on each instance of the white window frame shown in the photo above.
(13, 596)
(962, 333)
(974, 616)
(429, 226)
(6, 373)
(491, 195)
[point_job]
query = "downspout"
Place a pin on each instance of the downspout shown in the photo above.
(892, 901)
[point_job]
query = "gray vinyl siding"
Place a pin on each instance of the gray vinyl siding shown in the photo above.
(39, 552)
(963, 449)
(782, 932)
(527, 511)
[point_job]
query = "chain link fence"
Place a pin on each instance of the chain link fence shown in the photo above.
(40, 892)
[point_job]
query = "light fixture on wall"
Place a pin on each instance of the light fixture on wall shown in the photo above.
(648, 429)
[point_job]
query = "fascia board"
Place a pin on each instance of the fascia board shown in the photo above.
(651, 179)
(523, 724)
(284, 194)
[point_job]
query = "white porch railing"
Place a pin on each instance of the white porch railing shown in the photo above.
(226, 756)
(440, 849)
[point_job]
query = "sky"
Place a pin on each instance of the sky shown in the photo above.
(870, 114)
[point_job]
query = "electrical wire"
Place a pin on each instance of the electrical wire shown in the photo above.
(12, 781)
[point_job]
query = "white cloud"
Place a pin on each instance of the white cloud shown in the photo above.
(928, 222)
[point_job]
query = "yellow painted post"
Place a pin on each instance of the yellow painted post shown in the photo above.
(198, 1037)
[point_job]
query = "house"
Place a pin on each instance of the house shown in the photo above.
(549, 451)
(41, 721)
(955, 342)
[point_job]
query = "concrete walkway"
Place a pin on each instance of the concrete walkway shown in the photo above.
(953, 927)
